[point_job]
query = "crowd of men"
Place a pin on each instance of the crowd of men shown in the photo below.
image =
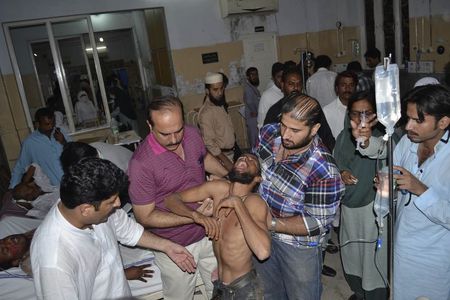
(259, 227)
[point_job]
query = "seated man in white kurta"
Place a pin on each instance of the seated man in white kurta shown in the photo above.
(74, 252)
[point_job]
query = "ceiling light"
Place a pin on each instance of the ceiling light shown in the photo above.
(100, 39)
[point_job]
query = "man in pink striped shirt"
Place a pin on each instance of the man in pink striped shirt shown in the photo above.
(172, 158)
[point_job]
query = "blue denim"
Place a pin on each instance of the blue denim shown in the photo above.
(291, 273)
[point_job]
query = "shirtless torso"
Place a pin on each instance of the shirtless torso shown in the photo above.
(238, 227)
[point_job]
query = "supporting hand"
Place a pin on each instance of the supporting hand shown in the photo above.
(139, 273)
(181, 257)
(348, 178)
(210, 224)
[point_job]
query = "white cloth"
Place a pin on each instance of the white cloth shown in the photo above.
(321, 86)
(118, 155)
(71, 263)
(85, 109)
(43, 203)
(422, 237)
(269, 97)
(335, 115)
(179, 285)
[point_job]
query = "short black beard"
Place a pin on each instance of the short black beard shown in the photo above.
(217, 101)
(243, 178)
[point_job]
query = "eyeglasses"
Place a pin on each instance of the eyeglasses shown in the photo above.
(354, 114)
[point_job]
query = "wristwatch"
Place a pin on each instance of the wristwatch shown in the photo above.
(273, 224)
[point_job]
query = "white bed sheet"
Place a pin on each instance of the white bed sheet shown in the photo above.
(16, 285)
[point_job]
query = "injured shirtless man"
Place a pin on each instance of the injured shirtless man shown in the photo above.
(238, 227)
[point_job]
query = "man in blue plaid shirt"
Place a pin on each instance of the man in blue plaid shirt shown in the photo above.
(302, 187)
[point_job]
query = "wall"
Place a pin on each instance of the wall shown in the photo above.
(195, 27)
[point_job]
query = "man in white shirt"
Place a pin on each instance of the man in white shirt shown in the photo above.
(74, 252)
(321, 84)
(335, 112)
(272, 94)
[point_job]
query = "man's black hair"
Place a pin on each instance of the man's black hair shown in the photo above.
(302, 107)
(354, 66)
(322, 61)
(287, 71)
(249, 70)
(91, 181)
(373, 53)
(277, 67)
(44, 112)
(433, 100)
(163, 103)
(73, 152)
(345, 74)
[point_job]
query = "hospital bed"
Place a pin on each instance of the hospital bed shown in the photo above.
(16, 285)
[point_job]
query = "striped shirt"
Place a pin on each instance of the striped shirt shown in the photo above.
(307, 185)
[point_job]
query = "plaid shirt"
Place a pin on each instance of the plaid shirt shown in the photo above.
(307, 185)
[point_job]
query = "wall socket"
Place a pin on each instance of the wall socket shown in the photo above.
(338, 68)
(422, 67)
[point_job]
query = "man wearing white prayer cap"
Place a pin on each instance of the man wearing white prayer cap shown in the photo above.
(215, 123)
(426, 81)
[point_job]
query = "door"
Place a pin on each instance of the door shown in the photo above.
(260, 51)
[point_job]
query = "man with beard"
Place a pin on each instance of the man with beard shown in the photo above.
(335, 112)
(251, 100)
(238, 227)
(215, 123)
(302, 187)
(422, 236)
(75, 251)
(43, 147)
(172, 158)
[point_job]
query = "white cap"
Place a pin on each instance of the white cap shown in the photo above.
(212, 78)
(426, 81)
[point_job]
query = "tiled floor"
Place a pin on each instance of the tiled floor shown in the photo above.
(335, 288)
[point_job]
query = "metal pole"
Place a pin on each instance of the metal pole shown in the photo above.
(392, 216)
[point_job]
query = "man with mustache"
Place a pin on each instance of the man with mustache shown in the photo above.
(422, 231)
(238, 228)
(172, 158)
(302, 187)
(215, 122)
(75, 251)
(335, 112)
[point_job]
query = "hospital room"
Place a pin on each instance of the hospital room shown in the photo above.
(224, 149)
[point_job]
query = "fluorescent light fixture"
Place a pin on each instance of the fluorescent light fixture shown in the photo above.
(98, 48)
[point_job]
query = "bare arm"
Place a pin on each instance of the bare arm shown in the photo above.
(225, 162)
(213, 166)
(176, 203)
(252, 216)
(290, 225)
(180, 255)
(150, 216)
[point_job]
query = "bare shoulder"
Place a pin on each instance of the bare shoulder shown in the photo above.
(255, 203)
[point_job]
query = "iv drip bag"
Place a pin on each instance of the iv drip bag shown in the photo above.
(387, 93)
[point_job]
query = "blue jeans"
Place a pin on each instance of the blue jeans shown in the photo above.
(291, 273)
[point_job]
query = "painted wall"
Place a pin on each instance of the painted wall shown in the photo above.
(195, 27)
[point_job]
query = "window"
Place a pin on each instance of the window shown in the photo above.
(89, 69)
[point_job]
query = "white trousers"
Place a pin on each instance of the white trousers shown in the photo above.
(179, 285)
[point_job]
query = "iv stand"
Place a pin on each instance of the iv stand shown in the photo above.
(392, 207)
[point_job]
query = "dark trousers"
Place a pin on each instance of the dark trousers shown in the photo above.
(355, 284)
(246, 287)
